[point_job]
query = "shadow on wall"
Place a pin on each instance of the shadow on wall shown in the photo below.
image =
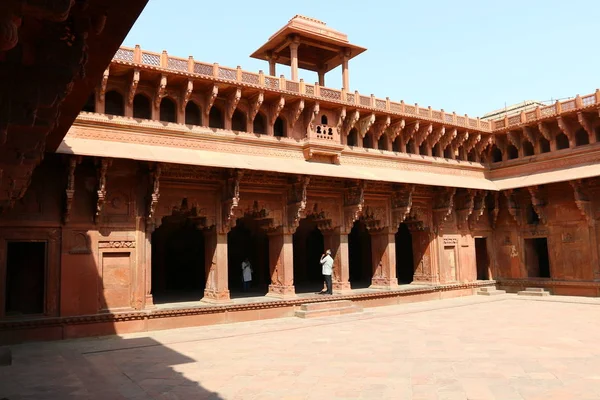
(49, 273)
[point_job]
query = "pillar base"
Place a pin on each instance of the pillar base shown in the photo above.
(282, 292)
(213, 297)
(384, 283)
(342, 288)
(149, 302)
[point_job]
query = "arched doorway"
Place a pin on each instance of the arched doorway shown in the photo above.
(360, 256)
(178, 261)
(246, 240)
(405, 263)
(309, 245)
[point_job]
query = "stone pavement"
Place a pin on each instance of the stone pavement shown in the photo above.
(501, 348)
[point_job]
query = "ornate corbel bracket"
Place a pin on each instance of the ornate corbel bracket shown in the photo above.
(586, 124)
(582, 201)
(438, 134)
(70, 190)
(401, 204)
(104, 83)
(231, 199)
(410, 131)
(513, 206)
(538, 202)
(275, 110)
(339, 118)
(354, 201)
(545, 130)
(155, 194)
(187, 93)
(309, 117)
(529, 135)
(350, 121)
(255, 103)
(478, 208)
(483, 144)
(465, 207)
(364, 124)
(380, 126)
(443, 207)
(447, 139)
(422, 135)
(395, 129)
(102, 168)
(209, 100)
(472, 141)
(373, 218)
(494, 208)
(297, 201)
(161, 90)
(460, 139)
(294, 113)
(232, 101)
(135, 80)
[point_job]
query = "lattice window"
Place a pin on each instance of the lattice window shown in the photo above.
(485, 125)
(124, 54)
(249, 77)
(292, 86)
(460, 120)
(546, 111)
(530, 116)
(381, 104)
(151, 59)
(397, 107)
(568, 105)
(227, 73)
(309, 89)
(271, 82)
(449, 118)
(588, 100)
(409, 109)
(350, 98)
(424, 112)
(436, 114)
(203, 69)
(499, 124)
(177, 64)
(472, 123)
(514, 120)
(331, 94)
(365, 101)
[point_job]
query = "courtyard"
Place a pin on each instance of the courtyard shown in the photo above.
(506, 347)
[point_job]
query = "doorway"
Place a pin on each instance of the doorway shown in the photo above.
(482, 259)
(405, 262)
(25, 278)
(309, 245)
(537, 259)
(360, 256)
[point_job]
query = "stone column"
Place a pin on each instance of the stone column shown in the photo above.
(424, 257)
(383, 253)
(345, 74)
(294, 58)
(281, 264)
(337, 241)
(147, 254)
(272, 64)
(216, 290)
(321, 74)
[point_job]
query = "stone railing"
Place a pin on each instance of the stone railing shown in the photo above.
(216, 71)
(540, 113)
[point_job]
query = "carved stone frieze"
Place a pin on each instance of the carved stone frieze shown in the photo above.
(102, 168)
(117, 244)
(401, 204)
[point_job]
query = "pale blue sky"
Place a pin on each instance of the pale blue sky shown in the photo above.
(468, 56)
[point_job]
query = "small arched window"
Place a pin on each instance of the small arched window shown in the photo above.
(168, 111)
(323, 119)
(581, 138)
(544, 145)
(368, 141)
(215, 118)
(114, 104)
(279, 127)
(238, 121)
(353, 137)
(496, 154)
(382, 143)
(141, 107)
(562, 141)
(527, 148)
(259, 126)
(193, 116)
(512, 152)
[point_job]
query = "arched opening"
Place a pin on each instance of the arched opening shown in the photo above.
(215, 118)
(178, 256)
(436, 150)
(368, 141)
(141, 107)
(247, 241)
(397, 144)
(512, 152)
(528, 148)
(360, 256)
(258, 126)
(238, 121)
(323, 119)
(353, 137)
(279, 128)
(496, 154)
(581, 138)
(382, 143)
(471, 156)
(405, 262)
(193, 116)
(448, 152)
(562, 141)
(90, 104)
(544, 145)
(410, 147)
(423, 149)
(168, 111)
(309, 245)
(114, 104)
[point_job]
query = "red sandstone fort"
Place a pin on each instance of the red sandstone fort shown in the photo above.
(134, 210)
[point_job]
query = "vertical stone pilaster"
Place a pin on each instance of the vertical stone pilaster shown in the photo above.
(426, 260)
(146, 252)
(281, 264)
(337, 241)
(216, 290)
(383, 252)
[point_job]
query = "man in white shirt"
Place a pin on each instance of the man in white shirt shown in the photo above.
(246, 274)
(327, 265)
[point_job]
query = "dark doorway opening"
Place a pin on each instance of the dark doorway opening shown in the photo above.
(360, 256)
(246, 240)
(192, 114)
(482, 259)
(309, 245)
(352, 138)
(238, 121)
(25, 278)
(141, 107)
(536, 258)
(168, 110)
(405, 261)
(178, 258)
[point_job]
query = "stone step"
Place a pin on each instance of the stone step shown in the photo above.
(539, 292)
(491, 292)
(327, 309)
(490, 289)
(322, 305)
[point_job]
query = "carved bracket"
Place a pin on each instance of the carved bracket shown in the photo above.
(232, 101)
(513, 205)
(161, 90)
(484, 143)
(155, 195)
(422, 134)
(587, 125)
(478, 208)
(354, 201)
(102, 168)
(448, 138)
(339, 118)
(567, 127)
(104, 83)
(410, 131)
(309, 117)
(373, 218)
(364, 124)
(297, 201)
(231, 199)
(582, 200)
(471, 142)
(529, 135)
(395, 129)
(438, 134)
(465, 207)
(494, 208)
(255, 103)
(547, 132)
(187, 94)
(350, 122)
(135, 80)
(294, 112)
(401, 204)
(538, 202)
(275, 110)
(515, 139)
(443, 207)
(70, 191)
(380, 126)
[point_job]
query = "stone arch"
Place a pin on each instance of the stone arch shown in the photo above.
(495, 154)
(324, 119)
(280, 127)
(562, 141)
(581, 138)
(193, 114)
(528, 148)
(114, 104)
(368, 141)
(259, 125)
(238, 121)
(544, 145)
(216, 118)
(512, 152)
(353, 137)
(168, 110)
(142, 107)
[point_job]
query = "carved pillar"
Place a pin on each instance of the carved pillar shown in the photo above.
(321, 74)
(216, 290)
(272, 64)
(383, 253)
(294, 58)
(337, 241)
(281, 264)
(424, 258)
(147, 249)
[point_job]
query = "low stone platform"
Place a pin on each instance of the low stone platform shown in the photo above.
(533, 292)
(328, 308)
(490, 291)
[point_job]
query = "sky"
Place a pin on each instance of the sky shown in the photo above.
(468, 56)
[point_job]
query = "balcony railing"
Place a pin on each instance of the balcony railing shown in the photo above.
(215, 71)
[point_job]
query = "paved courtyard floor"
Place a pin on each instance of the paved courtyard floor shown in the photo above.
(502, 348)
